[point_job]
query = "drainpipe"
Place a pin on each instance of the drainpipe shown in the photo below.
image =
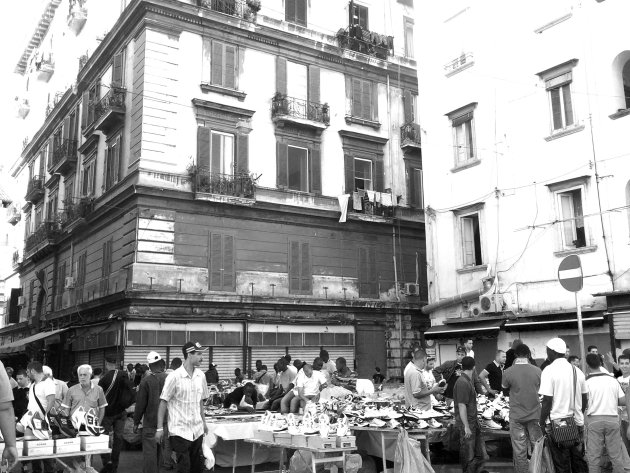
(454, 300)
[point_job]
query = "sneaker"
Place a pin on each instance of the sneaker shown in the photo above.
(39, 426)
(91, 423)
(78, 419)
(423, 424)
(434, 424)
(490, 424)
(488, 413)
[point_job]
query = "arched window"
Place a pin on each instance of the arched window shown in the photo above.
(621, 83)
(625, 76)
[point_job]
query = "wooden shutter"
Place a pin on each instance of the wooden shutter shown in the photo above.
(51, 150)
(281, 74)
(216, 153)
(116, 161)
(217, 63)
(411, 186)
(84, 108)
(294, 267)
(290, 10)
(316, 171)
(300, 12)
(408, 106)
(468, 241)
(362, 269)
(373, 86)
(203, 148)
(372, 275)
(14, 309)
(306, 278)
(117, 72)
(66, 128)
(282, 162)
(104, 262)
(349, 172)
(206, 60)
(313, 84)
(378, 177)
(216, 263)
(242, 153)
(357, 96)
(230, 67)
(229, 276)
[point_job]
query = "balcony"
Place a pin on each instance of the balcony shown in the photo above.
(64, 157)
(110, 110)
(13, 214)
(75, 215)
(410, 136)
(460, 63)
(77, 16)
(44, 67)
(17, 260)
(227, 188)
(367, 42)
(246, 9)
(23, 108)
(35, 189)
(42, 241)
(372, 209)
(299, 111)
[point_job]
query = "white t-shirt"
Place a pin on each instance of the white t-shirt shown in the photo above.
(604, 393)
(311, 385)
(42, 389)
(624, 382)
(557, 381)
(428, 377)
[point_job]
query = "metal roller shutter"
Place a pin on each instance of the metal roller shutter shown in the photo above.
(81, 358)
(226, 359)
(135, 355)
(268, 356)
(97, 359)
(308, 354)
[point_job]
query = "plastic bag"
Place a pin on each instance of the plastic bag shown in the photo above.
(209, 441)
(541, 461)
(409, 457)
(353, 463)
(131, 437)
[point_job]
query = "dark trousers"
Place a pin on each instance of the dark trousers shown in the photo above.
(472, 451)
(149, 451)
(188, 454)
(569, 459)
(114, 425)
(48, 466)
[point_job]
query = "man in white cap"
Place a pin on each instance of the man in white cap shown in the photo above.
(565, 396)
(147, 406)
(185, 390)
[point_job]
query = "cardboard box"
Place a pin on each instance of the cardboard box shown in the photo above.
(19, 446)
(321, 442)
(91, 443)
(265, 435)
(39, 447)
(347, 441)
(282, 438)
(299, 440)
(67, 445)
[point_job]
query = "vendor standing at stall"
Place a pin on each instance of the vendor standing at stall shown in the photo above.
(492, 374)
(451, 371)
(417, 391)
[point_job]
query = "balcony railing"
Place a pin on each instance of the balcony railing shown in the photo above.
(410, 135)
(47, 232)
(460, 62)
(73, 212)
(110, 108)
(282, 105)
(371, 208)
(367, 42)
(17, 260)
(13, 214)
(237, 185)
(64, 156)
(246, 9)
(35, 189)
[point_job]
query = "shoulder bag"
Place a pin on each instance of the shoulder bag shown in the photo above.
(564, 431)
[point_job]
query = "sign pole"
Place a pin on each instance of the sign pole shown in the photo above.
(580, 332)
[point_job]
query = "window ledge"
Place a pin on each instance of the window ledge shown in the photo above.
(575, 251)
(468, 164)
(362, 121)
(452, 72)
(205, 87)
(472, 269)
(620, 113)
(564, 132)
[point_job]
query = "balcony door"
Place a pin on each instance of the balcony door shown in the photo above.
(222, 153)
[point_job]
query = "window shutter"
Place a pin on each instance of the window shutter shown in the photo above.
(357, 96)
(349, 172)
(378, 177)
(281, 74)
(216, 262)
(217, 63)
(408, 106)
(66, 128)
(290, 10)
(306, 276)
(316, 171)
(230, 67)
(229, 278)
(468, 241)
(568, 106)
(206, 60)
(300, 12)
(14, 310)
(51, 149)
(366, 100)
(282, 179)
(411, 187)
(215, 153)
(372, 275)
(294, 267)
(107, 166)
(313, 84)
(242, 153)
(104, 262)
(117, 72)
(116, 161)
(363, 271)
(84, 108)
(203, 148)
(374, 101)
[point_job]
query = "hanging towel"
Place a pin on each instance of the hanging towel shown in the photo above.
(356, 201)
(343, 205)
(371, 196)
(386, 199)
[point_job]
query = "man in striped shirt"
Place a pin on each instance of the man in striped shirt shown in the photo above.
(184, 392)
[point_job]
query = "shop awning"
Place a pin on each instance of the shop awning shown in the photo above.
(20, 345)
(537, 324)
(456, 331)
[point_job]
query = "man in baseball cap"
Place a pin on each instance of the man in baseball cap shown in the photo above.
(192, 347)
(153, 357)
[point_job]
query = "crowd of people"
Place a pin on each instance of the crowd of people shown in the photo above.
(583, 415)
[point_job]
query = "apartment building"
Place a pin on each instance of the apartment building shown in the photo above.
(247, 174)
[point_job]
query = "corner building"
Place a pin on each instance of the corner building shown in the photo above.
(191, 183)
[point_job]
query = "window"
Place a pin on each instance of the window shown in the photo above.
(363, 99)
(87, 177)
(572, 217)
(362, 174)
(300, 277)
(368, 278)
(625, 77)
(359, 15)
(221, 263)
(27, 225)
(90, 98)
(471, 240)
(298, 169)
(61, 281)
(463, 124)
(408, 37)
(69, 191)
(38, 216)
(415, 189)
(106, 268)
(80, 275)
(51, 206)
(295, 11)
(297, 81)
(558, 81)
(112, 163)
(223, 65)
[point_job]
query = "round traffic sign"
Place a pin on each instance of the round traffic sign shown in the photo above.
(570, 273)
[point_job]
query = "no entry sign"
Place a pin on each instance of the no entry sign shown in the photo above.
(570, 273)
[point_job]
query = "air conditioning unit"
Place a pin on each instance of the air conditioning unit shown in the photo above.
(411, 289)
(474, 310)
(490, 303)
(69, 283)
(20, 301)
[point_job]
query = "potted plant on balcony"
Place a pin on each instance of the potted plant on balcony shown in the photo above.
(279, 104)
(254, 5)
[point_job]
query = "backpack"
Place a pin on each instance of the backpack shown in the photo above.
(126, 396)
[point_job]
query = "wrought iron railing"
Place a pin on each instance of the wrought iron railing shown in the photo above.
(36, 184)
(114, 99)
(300, 108)
(410, 134)
(459, 62)
(73, 211)
(63, 149)
(238, 8)
(47, 231)
(236, 185)
(371, 208)
(364, 41)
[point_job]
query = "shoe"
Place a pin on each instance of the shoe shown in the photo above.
(488, 413)
(39, 426)
(423, 424)
(434, 424)
(490, 424)
(78, 419)
(91, 423)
